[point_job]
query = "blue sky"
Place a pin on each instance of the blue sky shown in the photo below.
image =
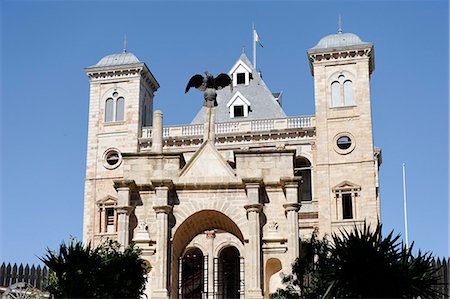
(44, 94)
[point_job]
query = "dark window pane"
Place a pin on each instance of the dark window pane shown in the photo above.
(344, 142)
(347, 208)
(238, 111)
(240, 78)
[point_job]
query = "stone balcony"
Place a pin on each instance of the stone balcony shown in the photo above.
(238, 132)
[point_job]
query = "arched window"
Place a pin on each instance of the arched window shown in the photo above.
(114, 108)
(302, 168)
(109, 110)
(335, 94)
(348, 93)
(120, 106)
(341, 92)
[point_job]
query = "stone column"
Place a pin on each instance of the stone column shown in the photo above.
(254, 257)
(157, 132)
(163, 210)
(209, 132)
(162, 244)
(123, 209)
(292, 206)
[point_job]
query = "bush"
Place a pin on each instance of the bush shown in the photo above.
(362, 264)
(79, 271)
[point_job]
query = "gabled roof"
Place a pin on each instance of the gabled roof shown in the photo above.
(263, 103)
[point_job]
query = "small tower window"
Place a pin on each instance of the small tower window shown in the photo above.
(240, 78)
(302, 167)
(115, 108)
(342, 92)
(344, 142)
(238, 110)
(120, 109)
(347, 206)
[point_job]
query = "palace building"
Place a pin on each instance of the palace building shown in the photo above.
(219, 206)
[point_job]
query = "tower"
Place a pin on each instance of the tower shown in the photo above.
(346, 169)
(120, 104)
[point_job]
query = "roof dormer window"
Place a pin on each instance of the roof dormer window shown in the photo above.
(239, 106)
(241, 73)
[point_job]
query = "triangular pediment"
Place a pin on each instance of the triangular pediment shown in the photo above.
(346, 185)
(207, 165)
(107, 200)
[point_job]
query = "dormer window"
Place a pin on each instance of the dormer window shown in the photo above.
(240, 73)
(240, 78)
(239, 106)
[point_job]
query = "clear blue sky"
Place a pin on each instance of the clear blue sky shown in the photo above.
(44, 94)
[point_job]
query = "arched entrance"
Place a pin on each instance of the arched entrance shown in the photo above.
(194, 226)
(192, 274)
(229, 273)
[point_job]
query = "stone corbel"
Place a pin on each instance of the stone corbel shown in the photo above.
(292, 188)
(162, 188)
(166, 209)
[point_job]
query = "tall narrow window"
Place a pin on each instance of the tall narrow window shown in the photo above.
(109, 110)
(347, 206)
(335, 94)
(238, 110)
(302, 167)
(348, 93)
(120, 109)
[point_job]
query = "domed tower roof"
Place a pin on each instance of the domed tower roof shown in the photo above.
(339, 40)
(117, 59)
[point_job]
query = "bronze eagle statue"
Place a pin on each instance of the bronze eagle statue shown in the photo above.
(208, 81)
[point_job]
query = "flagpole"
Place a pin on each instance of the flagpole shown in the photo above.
(404, 206)
(254, 45)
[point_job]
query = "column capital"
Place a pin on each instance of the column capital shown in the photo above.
(162, 183)
(166, 209)
(124, 210)
(125, 184)
(290, 182)
(253, 207)
(292, 207)
(256, 182)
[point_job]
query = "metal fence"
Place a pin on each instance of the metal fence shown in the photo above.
(34, 276)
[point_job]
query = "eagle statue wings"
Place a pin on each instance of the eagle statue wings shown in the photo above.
(208, 81)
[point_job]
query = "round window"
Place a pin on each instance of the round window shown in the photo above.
(344, 143)
(112, 158)
(115, 94)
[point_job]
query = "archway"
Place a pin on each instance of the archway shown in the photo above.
(192, 226)
(229, 276)
(192, 274)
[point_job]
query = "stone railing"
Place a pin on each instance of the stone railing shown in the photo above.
(259, 125)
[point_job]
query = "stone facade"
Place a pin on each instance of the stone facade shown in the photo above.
(220, 214)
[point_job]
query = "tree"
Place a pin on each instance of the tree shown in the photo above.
(363, 264)
(79, 271)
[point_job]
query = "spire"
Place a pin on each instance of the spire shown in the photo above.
(125, 43)
(340, 24)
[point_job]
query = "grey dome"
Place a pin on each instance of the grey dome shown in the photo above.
(339, 40)
(123, 58)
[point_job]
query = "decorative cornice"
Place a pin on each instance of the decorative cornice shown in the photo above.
(290, 182)
(342, 53)
(162, 183)
(206, 186)
(253, 182)
(118, 184)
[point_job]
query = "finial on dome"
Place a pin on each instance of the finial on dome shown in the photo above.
(340, 24)
(125, 43)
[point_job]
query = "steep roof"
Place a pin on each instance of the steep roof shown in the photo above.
(263, 103)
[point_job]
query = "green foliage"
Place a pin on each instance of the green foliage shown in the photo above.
(361, 264)
(104, 272)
